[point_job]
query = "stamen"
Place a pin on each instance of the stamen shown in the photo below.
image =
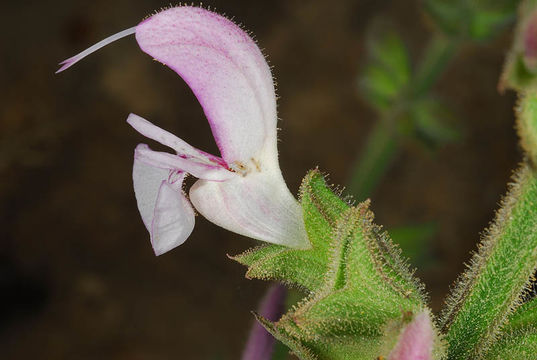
(73, 60)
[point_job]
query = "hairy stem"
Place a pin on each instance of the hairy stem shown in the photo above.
(498, 274)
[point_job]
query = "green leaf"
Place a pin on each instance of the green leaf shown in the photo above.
(487, 23)
(520, 71)
(389, 51)
(516, 74)
(379, 87)
(433, 123)
(519, 335)
(524, 317)
(521, 344)
(474, 20)
(301, 268)
(281, 351)
(491, 288)
(379, 152)
(414, 240)
(388, 72)
(447, 15)
(297, 348)
(527, 125)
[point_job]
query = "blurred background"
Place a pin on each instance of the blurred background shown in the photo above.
(78, 277)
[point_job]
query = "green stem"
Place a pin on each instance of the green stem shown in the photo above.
(439, 51)
(378, 154)
(527, 124)
(491, 288)
(381, 146)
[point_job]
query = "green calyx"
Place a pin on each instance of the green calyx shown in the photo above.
(520, 72)
(361, 293)
(527, 125)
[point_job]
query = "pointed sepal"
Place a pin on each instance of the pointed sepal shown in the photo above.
(301, 268)
(361, 293)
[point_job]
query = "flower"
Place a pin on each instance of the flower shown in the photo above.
(243, 190)
(529, 39)
(416, 340)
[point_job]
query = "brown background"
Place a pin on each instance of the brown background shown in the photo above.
(77, 273)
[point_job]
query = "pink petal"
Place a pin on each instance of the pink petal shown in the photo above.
(226, 71)
(258, 205)
(164, 137)
(192, 166)
(415, 341)
(173, 219)
(260, 345)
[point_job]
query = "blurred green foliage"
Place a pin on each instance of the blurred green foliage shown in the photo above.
(400, 92)
(414, 240)
(405, 108)
(433, 123)
(388, 71)
(471, 19)
(520, 71)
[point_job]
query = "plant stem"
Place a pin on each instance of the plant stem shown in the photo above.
(492, 286)
(378, 154)
(439, 51)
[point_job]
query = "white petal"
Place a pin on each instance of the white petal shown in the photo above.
(147, 180)
(258, 205)
(173, 220)
(166, 213)
(226, 71)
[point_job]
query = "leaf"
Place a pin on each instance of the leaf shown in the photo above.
(524, 317)
(520, 344)
(433, 123)
(520, 70)
(472, 20)
(297, 348)
(487, 23)
(301, 268)
(527, 125)
(414, 240)
(280, 351)
(498, 274)
(388, 71)
(376, 157)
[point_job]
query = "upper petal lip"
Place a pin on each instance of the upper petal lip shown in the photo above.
(226, 71)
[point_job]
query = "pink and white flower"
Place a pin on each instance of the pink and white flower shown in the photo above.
(416, 340)
(243, 190)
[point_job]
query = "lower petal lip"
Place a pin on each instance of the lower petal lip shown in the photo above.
(258, 205)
